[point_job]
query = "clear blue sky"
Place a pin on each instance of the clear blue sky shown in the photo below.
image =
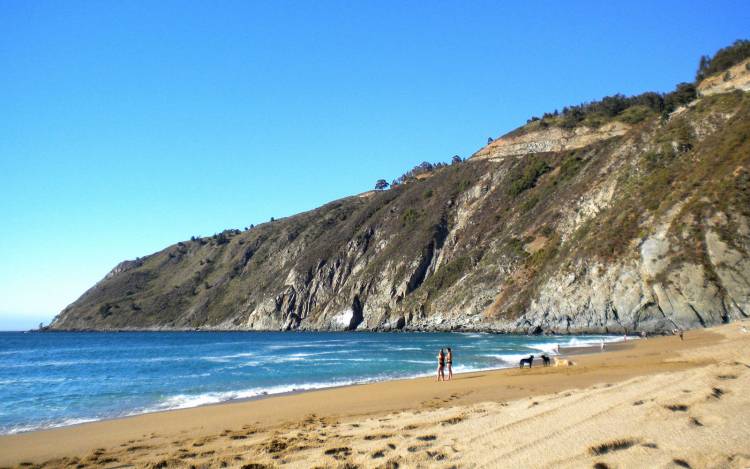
(127, 126)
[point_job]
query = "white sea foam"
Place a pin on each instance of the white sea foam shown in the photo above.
(313, 345)
(589, 341)
(510, 358)
(35, 380)
(549, 348)
(226, 358)
(45, 425)
(183, 401)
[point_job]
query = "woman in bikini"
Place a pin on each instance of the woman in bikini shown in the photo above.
(441, 365)
(449, 363)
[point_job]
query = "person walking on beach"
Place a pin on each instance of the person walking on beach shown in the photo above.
(449, 363)
(441, 366)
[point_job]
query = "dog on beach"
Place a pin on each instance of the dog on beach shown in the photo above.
(545, 359)
(563, 362)
(526, 361)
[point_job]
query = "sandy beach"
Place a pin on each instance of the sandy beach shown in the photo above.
(661, 402)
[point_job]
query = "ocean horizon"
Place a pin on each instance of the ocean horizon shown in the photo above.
(57, 379)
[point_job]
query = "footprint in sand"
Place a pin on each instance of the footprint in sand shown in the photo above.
(681, 463)
(436, 455)
(378, 454)
(612, 446)
(677, 407)
(381, 436)
(338, 453)
(453, 420)
(415, 448)
(726, 377)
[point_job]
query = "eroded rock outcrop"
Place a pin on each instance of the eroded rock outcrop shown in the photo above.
(550, 139)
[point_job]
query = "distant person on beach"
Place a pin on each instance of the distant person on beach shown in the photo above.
(602, 345)
(449, 363)
(441, 366)
(558, 348)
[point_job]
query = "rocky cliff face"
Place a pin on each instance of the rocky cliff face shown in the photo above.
(622, 228)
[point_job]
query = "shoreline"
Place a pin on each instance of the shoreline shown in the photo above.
(621, 362)
(437, 330)
(564, 352)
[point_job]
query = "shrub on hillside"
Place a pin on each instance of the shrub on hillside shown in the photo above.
(528, 177)
(723, 59)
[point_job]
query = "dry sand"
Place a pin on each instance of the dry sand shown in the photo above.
(660, 402)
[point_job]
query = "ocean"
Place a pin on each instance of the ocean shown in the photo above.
(57, 379)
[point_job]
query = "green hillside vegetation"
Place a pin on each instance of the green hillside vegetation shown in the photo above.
(635, 109)
(723, 59)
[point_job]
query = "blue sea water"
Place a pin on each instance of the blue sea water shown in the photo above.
(57, 379)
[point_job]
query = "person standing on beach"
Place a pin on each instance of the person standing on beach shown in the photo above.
(449, 363)
(441, 365)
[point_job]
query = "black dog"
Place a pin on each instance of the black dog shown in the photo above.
(527, 361)
(546, 360)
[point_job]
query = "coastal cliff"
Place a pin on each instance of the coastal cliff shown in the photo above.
(637, 223)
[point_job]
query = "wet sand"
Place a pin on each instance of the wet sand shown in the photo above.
(647, 402)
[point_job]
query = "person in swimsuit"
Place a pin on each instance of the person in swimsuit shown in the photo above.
(441, 365)
(449, 362)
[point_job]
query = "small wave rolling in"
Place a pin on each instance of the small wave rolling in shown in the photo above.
(58, 379)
